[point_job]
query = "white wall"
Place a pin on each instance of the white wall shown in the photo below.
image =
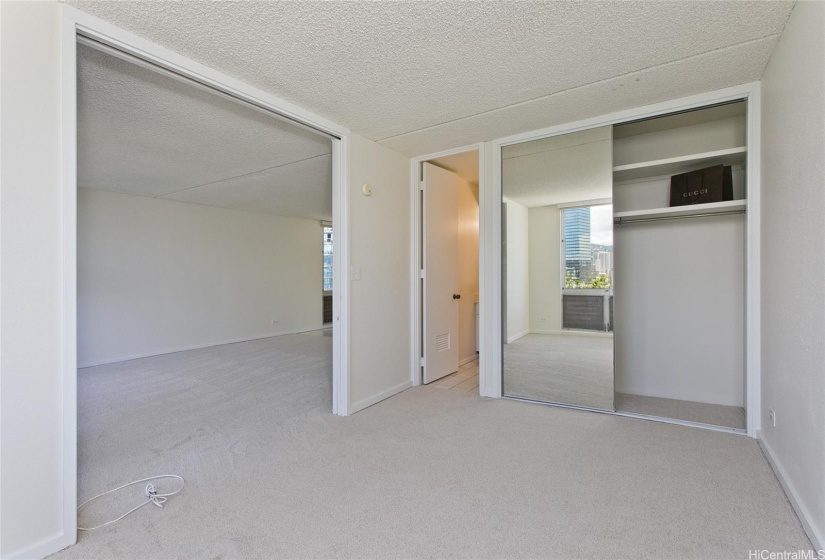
(467, 267)
(545, 269)
(31, 302)
(518, 277)
(492, 306)
(679, 309)
(158, 276)
(380, 246)
(793, 260)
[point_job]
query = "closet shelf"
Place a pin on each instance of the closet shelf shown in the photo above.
(680, 211)
(676, 165)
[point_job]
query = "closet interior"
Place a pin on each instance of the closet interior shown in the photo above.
(680, 270)
(624, 267)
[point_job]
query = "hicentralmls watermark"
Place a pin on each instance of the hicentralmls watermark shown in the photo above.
(786, 554)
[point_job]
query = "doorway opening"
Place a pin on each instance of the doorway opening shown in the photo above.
(449, 281)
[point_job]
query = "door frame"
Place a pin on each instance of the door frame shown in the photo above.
(416, 250)
(77, 24)
(490, 250)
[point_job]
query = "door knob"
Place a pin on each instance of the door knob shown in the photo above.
(456, 296)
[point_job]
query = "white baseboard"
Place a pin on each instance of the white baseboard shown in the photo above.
(195, 347)
(515, 337)
(814, 533)
(364, 403)
(44, 548)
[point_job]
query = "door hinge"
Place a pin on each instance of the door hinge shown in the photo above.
(423, 361)
(421, 273)
(421, 185)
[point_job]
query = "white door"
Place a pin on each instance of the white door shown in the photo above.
(440, 192)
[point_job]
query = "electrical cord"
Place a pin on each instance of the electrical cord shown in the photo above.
(149, 492)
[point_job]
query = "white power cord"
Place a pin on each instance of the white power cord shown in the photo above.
(149, 492)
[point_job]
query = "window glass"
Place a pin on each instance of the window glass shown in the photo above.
(588, 247)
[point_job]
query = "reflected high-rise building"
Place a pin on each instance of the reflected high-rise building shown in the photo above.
(603, 261)
(578, 258)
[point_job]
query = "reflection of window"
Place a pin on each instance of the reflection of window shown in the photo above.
(587, 293)
(588, 247)
(327, 258)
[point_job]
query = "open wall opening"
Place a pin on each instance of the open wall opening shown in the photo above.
(204, 258)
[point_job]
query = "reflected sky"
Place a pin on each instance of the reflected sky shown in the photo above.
(601, 224)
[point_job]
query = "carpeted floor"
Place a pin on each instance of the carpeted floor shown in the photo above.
(429, 473)
(567, 369)
(716, 414)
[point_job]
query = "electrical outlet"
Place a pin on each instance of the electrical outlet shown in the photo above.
(542, 319)
(772, 417)
(274, 321)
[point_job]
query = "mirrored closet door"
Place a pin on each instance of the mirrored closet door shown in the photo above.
(557, 269)
(672, 190)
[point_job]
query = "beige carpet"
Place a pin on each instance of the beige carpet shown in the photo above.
(715, 414)
(426, 474)
(567, 369)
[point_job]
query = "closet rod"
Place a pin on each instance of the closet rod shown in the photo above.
(625, 221)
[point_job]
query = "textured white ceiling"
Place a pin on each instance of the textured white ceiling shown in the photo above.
(568, 168)
(302, 189)
(147, 134)
(426, 76)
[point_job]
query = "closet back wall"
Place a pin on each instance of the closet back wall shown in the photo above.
(680, 300)
(158, 276)
(680, 284)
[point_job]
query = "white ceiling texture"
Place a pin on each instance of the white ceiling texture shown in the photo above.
(417, 77)
(147, 134)
(421, 77)
(566, 168)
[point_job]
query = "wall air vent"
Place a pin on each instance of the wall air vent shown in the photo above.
(442, 342)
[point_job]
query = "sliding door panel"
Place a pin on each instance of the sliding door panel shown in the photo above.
(558, 269)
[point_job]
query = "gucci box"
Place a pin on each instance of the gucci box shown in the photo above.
(712, 184)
